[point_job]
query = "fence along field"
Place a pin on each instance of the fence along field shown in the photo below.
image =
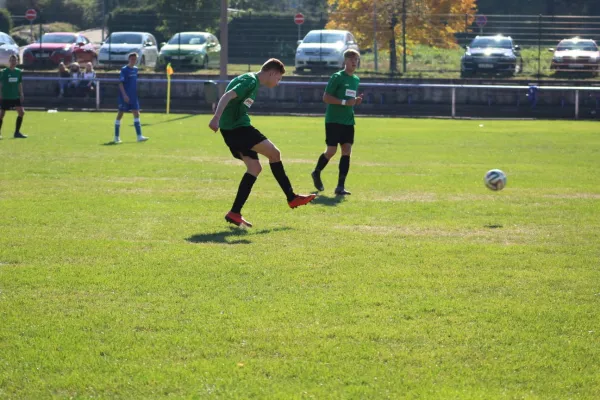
(255, 37)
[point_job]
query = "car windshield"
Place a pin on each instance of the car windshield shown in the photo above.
(58, 39)
(125, 38)
(188, 38)
(497, 43)
(324, 37)
(576, 45)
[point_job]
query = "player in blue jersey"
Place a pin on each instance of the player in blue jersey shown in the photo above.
(128, 99)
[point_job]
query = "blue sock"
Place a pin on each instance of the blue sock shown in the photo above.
(138, 126)
(117, 128)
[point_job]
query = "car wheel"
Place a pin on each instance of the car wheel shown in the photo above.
(95, 62)
(205, 62)
(143, 61)
(299, 70)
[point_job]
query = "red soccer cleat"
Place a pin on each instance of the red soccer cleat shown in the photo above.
(301, 200)
(237, 219)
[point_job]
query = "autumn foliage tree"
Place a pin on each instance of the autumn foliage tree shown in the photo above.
(431, 22)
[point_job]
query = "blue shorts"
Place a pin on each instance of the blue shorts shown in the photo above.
(133, 104)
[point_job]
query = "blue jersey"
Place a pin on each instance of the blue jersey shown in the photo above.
(128, 78)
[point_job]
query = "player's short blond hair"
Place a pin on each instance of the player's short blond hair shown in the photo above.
(351, 53)
(132, 54)
(273, 64)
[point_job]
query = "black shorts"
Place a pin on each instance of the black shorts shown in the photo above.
(241, 141)
(338, 133)
(9, 104)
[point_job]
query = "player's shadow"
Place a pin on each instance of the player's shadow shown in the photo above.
(330, 201)
(493, 226)
(232, 235)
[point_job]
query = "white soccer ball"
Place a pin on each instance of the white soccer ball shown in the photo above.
(495, 179)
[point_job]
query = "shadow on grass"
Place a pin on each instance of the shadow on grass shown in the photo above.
(493, 226)
(330, 201)
(232, 235)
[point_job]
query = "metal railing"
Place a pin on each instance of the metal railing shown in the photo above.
(532, 91)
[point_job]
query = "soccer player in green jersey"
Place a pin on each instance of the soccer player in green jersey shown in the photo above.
(245, 142)
(11, 94)
(341, 95)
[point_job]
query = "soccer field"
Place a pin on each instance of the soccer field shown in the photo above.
(119, 277)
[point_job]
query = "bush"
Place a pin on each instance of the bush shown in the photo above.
(6, 23)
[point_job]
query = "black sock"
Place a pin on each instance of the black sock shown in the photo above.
(322, 163)
(19, 122)
(243, 192)
(344, 168)
(1, 124)
(282, 179)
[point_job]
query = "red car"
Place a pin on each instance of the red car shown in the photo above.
(57, 47)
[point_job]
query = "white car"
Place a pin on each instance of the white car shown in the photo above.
(118, 45)
(323, 49)
(8, 47)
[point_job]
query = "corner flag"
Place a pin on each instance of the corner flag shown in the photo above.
(169, 73)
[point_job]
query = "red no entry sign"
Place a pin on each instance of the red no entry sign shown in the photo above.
(31, 14)
(299, 19)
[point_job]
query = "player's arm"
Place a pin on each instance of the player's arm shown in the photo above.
(223, 101)
(122, 88)
(329, 98)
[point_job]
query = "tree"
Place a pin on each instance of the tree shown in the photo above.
(432, 22)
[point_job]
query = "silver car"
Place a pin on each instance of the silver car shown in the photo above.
(119, 44)
(324, 49)
(8, 47)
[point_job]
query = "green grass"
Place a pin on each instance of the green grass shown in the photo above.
(120, 279)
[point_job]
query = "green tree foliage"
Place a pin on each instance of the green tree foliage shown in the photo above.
(6, 23)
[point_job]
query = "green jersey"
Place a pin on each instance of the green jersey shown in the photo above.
(235, 114)
(10, 83)
(344, 87)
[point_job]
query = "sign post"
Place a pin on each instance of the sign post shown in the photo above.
(299, 20)
(481, 20)
(31, 15)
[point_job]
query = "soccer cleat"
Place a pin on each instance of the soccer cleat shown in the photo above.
(316, 177)
(340, 191)
(19, 135)
(142, 138)
(237, 219)
(301, 200)
(117, 140)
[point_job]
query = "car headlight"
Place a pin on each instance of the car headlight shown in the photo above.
(557, 59)
(103, 50)
(594, 58)
(299, 52)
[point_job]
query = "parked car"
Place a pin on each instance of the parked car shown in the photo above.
(324, 49)
(193, 49)
(118, 45)
(53, 48)
(8, 47)
(491, 54)
(576, 55)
